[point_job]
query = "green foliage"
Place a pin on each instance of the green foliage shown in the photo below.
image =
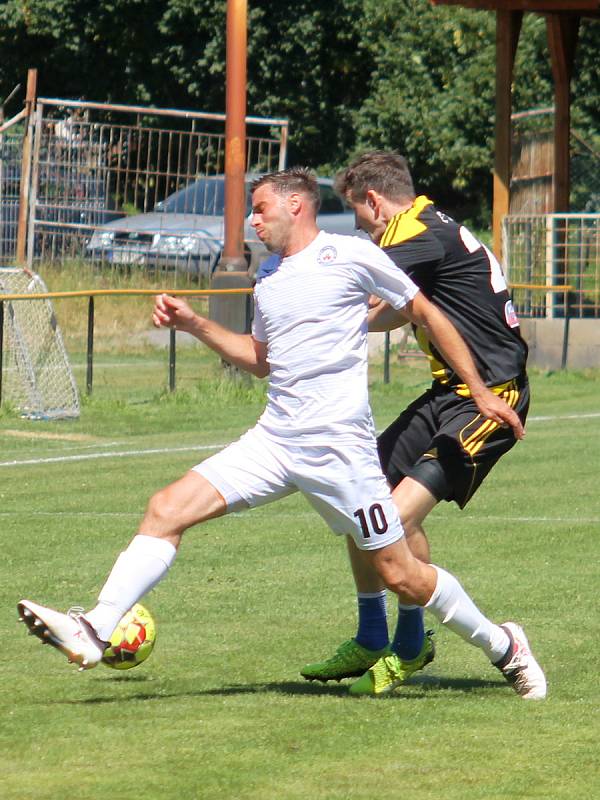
(306, 62)
(349, 74)
(432, 93)
(432, 103)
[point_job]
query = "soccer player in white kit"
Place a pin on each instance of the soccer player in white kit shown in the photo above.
(316, 434)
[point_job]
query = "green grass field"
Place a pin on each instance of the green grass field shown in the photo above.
(219, 710)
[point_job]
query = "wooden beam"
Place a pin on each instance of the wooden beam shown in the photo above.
(25, 187)
(508, 28)
(540, 6)
(562, 32)
(235, 133)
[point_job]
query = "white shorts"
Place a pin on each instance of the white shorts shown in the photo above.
(344, 484)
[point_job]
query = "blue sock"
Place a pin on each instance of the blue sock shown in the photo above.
(410, 632)
(372, 620)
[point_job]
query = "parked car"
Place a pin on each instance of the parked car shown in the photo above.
(186, 230)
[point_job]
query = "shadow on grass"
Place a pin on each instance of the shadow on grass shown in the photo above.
(425, 686)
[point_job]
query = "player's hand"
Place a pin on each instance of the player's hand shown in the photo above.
(173, 312)
(493, 407)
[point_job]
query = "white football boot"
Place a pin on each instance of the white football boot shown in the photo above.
(70, 633)
(522, 670)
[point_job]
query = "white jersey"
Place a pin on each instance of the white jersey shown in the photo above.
(311, 310)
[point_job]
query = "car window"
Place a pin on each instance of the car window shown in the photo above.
(201, 197)
(330, 202)
(204, 196)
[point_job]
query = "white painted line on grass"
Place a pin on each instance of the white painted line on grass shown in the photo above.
(565, 520)
(120, 365)
(111, 454)
(4, 514)
(191, 448)
(311, 515)
(554, 417)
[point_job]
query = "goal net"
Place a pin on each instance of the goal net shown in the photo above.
(36, 374)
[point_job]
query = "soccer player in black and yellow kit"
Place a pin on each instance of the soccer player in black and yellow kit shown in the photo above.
(440, 447)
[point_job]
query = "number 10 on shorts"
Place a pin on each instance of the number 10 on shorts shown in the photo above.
(373, 520)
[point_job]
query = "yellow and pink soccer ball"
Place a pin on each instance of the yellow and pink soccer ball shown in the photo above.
(132, 640)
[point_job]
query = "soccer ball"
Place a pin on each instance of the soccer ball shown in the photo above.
(132, 640)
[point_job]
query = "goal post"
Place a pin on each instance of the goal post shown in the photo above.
(37, 378)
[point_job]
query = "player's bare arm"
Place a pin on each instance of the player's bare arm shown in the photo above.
(382, 317)
(453, 348)
(241, 350)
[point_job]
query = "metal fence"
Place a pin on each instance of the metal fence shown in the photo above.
(11, 144)
(126, 186)
(35, 374)
(550, 251)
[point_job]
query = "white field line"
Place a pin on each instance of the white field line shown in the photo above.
(191, 448)
(591, 415)
(476, 518)
(110, 454)
(119, 365)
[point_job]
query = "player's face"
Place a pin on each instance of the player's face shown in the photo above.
(271, 218)
(366, 219)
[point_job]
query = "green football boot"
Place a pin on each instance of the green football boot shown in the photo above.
(391, 671)
(349, 661)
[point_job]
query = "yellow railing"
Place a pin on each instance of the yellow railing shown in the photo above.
(93, 293)
(130, 292)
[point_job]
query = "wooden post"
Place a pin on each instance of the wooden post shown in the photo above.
(235, 133)
(283, 145)
(33, 181)
(232, 270)
(26, 167)
(562, 32)
(508, 28)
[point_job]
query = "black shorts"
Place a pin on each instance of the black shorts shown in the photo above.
(442, 441)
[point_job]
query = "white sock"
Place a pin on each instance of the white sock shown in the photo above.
(137, 570)
(453, 607)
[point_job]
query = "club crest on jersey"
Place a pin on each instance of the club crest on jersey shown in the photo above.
(327, 254)
(510, 315)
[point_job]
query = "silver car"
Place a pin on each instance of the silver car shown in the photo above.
(185, 231)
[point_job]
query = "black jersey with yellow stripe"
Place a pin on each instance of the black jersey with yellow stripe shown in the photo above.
(461, 276)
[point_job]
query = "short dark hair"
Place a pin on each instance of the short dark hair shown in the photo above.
(294, 179)
(383, 171)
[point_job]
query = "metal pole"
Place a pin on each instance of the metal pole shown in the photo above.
(1, 345)
(172, 359)
(386, 358)
(565, 344)
(90, 346)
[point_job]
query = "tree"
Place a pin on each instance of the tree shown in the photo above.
(432, 90)
(348, 74)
